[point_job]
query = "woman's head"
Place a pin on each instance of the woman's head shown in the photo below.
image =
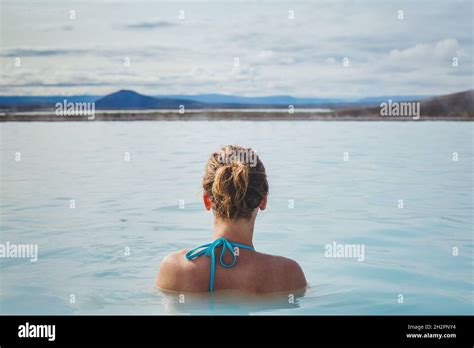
(235, 183)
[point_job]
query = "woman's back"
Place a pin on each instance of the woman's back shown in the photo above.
(254, 272)
(235, 188)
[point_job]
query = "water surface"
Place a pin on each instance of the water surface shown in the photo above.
(106, 251)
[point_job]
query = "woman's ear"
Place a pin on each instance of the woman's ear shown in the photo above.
(207, 201)
(263, 203)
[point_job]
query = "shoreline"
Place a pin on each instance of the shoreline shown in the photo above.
(210, 115)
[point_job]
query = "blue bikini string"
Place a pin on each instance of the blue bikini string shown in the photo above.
(209, 250)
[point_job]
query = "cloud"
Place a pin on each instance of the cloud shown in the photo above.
(38, 52)
(441, 50)
(53, 28)
(151, 51)
(150, 24)
(302, 57)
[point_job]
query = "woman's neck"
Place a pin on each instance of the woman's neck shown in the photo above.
(238, 231)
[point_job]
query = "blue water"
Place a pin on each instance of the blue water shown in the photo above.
(135, 206)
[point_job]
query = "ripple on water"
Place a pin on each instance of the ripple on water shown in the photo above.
(136, 205)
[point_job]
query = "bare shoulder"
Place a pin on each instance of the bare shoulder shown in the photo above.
(291, 272)
(257, 272)
(168, 274)
(283, 274)
(178, 274)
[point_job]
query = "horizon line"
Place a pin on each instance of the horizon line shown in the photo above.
(239, 96)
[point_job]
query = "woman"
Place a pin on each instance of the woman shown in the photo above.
(235, 188)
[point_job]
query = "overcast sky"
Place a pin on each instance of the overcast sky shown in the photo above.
(277, 55)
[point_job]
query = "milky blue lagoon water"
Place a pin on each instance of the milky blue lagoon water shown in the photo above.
(134, 208)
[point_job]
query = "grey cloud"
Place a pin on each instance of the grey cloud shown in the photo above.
(150, 51)
(303, 57)
(151, 24)
(39, 52)
(57, 28)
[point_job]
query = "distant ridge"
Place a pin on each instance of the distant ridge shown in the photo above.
(131, 100)
(285, 100)
(451, 105)
(457, 104)
(276, 100)
(28, 103)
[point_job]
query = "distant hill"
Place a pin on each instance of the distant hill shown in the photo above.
(27, 103)
(53, 99)
(130, 100)
(451, 105)
(457, 104)
(284, 100)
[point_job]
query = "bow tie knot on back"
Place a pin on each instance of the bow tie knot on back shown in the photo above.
(209, 251)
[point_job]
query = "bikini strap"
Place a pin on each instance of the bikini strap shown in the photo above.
(209, 251)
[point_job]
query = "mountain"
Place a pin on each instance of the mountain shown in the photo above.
(451, 105)
(283, 100)
(27, 103)
(53, 99)
(130, 100)
(457, 104)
